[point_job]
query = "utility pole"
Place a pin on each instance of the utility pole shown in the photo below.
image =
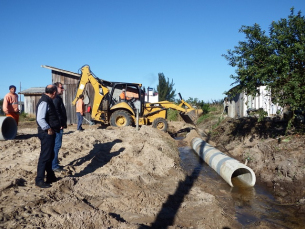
(20, 105)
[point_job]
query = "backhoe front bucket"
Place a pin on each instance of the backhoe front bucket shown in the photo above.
(191, 116)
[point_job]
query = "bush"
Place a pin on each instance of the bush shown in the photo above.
(205, 108)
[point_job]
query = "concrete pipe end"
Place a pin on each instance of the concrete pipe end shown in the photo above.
(8, 127)
(244, 175)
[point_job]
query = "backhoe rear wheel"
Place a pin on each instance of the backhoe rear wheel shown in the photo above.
(160, 124)
(120, 118)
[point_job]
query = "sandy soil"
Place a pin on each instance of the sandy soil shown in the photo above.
(115, 178)
(124, 178)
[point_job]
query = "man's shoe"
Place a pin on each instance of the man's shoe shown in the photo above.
(59, 170)
(43, 185)
(50, 181)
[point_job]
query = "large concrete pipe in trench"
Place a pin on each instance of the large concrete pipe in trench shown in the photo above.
(8, 127)
(224, 165)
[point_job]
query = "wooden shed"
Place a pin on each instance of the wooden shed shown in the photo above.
(70, 81)
(31, 98)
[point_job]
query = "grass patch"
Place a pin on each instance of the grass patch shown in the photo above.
(172, 115)
(211, 112)
(25, 117)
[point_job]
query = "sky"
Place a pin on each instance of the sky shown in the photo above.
(130, 40)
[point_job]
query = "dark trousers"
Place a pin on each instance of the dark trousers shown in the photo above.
(46, 157)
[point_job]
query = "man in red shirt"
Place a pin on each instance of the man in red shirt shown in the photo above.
(10, 104)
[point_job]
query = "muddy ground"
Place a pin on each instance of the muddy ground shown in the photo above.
(124, 178)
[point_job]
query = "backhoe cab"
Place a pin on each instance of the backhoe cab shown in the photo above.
(119, 104)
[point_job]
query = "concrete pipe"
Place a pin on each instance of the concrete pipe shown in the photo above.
(8, 128)
(224, 165)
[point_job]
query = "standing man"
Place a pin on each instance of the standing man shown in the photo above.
(226, 105)
(62, 115)
(48, 123)
(80, 111)
(10, 104)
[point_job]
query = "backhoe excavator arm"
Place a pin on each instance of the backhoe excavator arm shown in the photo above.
(99, 90)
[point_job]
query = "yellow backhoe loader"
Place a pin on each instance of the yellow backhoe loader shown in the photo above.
(123, 104)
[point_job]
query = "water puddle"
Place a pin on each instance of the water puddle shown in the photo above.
(252, 205)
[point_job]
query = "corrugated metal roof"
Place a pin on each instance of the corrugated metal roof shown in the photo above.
(33, 91)
(60, 70)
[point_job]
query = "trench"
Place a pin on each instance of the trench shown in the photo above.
(250, 206)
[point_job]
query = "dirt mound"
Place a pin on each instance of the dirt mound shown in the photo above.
(124, 178)
(115, 178)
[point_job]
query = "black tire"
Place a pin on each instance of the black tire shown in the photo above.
(160, 124)
(120, 118)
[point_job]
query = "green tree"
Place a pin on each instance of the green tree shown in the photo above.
(276, 60)
(165, 89)
(195, 102)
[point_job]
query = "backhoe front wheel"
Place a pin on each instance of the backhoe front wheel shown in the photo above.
(160, 124)
(120, 118)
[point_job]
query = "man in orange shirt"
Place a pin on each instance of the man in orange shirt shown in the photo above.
(10, 104)
(123, 95)
(80, 112)
(128, 95)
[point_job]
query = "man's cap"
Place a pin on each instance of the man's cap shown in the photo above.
(12, 87)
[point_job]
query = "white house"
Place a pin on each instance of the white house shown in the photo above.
(151, 96)
(241, 103)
